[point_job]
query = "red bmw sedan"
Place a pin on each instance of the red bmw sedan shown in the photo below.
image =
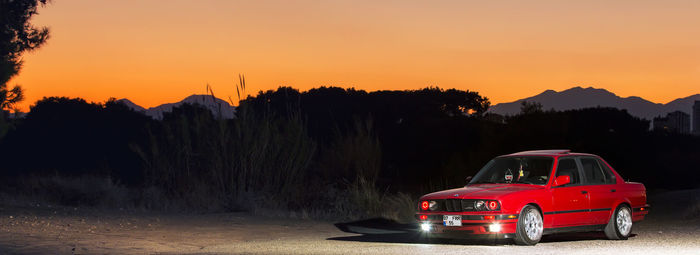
(528, 194)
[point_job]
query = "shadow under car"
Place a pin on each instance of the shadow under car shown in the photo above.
(388, 231)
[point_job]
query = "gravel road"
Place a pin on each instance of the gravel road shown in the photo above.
(51, 230)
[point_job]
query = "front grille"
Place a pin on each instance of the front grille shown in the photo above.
(452, 205)
(456, 205)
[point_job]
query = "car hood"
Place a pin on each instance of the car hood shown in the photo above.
(482, 191)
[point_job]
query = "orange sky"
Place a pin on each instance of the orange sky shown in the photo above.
(154, 52)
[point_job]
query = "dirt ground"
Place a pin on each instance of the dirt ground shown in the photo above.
(42, 229)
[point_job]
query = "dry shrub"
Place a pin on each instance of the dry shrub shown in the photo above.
(257, 160)
(368, 202)
(400, 207)
(94, 191)
(693, 210)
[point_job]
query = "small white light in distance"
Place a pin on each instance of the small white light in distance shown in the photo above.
(425, 227)
(495, 227)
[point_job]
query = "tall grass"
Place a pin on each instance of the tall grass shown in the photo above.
(234, 163)
(352, 155)
(354, 158)
(265, 160)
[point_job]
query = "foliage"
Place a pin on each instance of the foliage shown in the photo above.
(530, 107)
(73, 137)
(352, 156)
(327, 151)
(259, 155)
(17, 36)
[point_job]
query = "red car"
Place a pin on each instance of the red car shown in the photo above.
(528, 194)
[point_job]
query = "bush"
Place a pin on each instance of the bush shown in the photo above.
(366, 201)
(259, 159)
(693, 210)
(94, 191)
(323, 153)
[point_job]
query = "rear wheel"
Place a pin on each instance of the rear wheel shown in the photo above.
(620, 225)
(530, 226)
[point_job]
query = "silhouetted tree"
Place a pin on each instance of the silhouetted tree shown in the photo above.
(530, 107)
(17, 36)
(73, 137)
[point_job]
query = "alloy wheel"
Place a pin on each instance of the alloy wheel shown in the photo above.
(624, 221)
(533, 225)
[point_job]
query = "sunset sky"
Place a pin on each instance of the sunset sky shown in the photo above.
(154, 52)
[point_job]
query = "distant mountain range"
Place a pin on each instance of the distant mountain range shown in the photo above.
(578, 97)
(213, 104)
(573, 98)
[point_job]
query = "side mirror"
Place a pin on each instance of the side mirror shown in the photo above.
(562, 180)
(469, 178)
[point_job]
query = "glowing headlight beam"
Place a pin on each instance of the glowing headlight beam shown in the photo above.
(495, 227)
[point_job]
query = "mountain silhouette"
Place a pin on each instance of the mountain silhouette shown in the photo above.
(578, 97)
(132, 105)
(215, 105)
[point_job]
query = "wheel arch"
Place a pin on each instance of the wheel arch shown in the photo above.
(536, 205)
(617, 204)
(532, 202)
(547, 220)
(624, 201)
(628, 204)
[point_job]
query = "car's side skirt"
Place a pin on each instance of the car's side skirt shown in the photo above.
(584, 228)
(578, 211)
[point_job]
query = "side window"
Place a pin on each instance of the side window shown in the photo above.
(567, 166)
(609, 176)
(592, 171)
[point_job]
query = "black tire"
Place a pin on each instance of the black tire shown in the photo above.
(614, 230)
(528, 213)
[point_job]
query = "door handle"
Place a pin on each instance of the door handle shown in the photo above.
(584, 192)
(612, 190)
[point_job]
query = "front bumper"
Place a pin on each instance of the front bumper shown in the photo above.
(476, 224)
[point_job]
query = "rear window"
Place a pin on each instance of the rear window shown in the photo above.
(610, 177)
(595, 173)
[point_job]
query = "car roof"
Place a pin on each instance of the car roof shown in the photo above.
(552, 153)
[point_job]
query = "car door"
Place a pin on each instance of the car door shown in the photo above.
(599, 183)
(570, 202)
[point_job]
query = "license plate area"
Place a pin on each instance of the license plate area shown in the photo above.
(452, 220)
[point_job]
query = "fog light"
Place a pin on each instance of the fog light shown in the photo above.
(495, 227)
(425, 227)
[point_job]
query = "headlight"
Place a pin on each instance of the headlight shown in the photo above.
(487, 205)
(480, 205)
(433, 205)
(492, 205)
(424, 205)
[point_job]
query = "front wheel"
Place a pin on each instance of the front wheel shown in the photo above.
(620, 225)
(530, 226)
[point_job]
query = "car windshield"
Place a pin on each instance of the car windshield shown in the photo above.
(529, 170)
